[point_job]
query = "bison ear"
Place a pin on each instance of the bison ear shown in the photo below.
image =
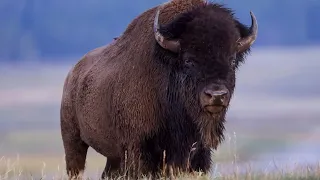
(244, 31)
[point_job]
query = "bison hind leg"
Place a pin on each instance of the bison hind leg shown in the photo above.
(75, 148)
(76, 152)
(112, 167)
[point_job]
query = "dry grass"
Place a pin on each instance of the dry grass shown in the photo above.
(28, 168)
(53, 167)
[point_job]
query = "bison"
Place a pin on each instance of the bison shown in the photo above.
(157, 94)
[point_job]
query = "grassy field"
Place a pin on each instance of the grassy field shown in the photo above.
(53, 167)
(39, 159)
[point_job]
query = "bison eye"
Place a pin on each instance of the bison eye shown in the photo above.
(233, 62)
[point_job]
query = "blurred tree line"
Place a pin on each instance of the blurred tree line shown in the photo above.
(56, 28)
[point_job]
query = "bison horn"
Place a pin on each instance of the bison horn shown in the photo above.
(171, 45)
(246, 42)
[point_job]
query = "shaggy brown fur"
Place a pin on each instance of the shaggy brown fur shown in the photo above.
(108, 96)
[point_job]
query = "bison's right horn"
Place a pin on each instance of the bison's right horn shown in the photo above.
(171, 45)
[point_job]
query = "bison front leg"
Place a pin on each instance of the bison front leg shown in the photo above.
(201, 160)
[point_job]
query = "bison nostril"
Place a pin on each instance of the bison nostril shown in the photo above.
(209, 93)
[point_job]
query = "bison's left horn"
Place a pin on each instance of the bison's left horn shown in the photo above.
(246, 42)
(169, 44)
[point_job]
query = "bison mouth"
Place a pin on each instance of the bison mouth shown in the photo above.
(214, 109)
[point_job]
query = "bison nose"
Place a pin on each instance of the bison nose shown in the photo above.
(213, 100)
(216, 97)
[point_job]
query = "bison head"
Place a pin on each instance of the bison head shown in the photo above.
(210, 44)
(203, 48)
